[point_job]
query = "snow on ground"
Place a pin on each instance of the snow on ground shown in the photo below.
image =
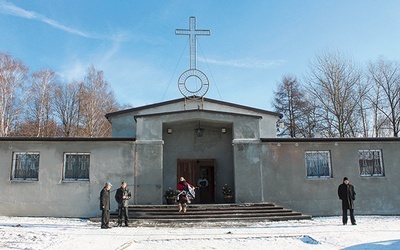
(372, 232)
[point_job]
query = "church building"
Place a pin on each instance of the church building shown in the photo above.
(195, 139)
(213, 144)
(202, 139)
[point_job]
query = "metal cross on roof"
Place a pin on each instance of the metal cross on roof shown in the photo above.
(193, 83)
(192, 32)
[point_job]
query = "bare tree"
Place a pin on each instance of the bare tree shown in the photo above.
(386, 99)
(308, 126)
(378, 122)
(66, 107)
(364, 109)
(40, 106)
(12, 77)
(333, 85)
(289, 100)
(96, 99)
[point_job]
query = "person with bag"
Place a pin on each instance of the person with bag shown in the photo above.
(186, 193)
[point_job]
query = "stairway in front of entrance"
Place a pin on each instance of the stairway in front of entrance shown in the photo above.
(212, 213)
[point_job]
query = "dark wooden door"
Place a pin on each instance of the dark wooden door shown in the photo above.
(199, 173)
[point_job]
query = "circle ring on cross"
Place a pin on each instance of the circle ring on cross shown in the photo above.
(189, 91)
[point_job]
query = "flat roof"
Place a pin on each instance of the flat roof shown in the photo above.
(339, 139)
(66, 139)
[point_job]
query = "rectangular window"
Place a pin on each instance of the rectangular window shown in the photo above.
(370, 162)
(76, 166)
(318, 164)
(25, 166)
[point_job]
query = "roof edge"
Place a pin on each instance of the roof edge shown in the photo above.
(197, 110)
(183, 99)
(66, 139)
(360, 139)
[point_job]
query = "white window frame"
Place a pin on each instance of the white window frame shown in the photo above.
(65, 166)
(316, 154)
(14, 166)
(370, 155)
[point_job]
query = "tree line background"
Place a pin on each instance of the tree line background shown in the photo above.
(38, 104)
(338, 98)
(335, 98)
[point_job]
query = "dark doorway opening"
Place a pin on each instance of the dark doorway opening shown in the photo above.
(200, 173)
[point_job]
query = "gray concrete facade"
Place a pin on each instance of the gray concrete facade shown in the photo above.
(149, 125)
(286, 182)
(124, 122)
(50, 195)
(152, 144)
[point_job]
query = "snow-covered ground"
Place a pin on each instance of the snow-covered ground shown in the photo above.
(372, 232)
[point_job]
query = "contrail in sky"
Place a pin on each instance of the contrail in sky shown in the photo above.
(11, 9)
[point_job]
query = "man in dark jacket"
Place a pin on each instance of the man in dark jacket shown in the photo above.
(105, 206)
(347, 195)
(122, 197)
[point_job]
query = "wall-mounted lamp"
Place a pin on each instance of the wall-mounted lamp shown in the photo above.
(169, 130)
(223, 130)
(199, 131)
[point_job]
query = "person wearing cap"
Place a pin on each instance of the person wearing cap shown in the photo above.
(122, 197)
(105, 206)
(347, 194)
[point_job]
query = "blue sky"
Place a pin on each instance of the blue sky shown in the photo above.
(252, 43)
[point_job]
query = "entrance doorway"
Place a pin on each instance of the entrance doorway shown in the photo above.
(199, 173)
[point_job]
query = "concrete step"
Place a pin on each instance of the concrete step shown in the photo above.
(207, 207)
(210, 213)
(225, 219)
(216, 212)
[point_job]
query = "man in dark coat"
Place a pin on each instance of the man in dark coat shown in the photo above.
(122, 197)
(105, 206)
(347, 195)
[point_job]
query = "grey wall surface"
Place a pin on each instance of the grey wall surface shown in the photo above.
(124, 124)
(248, 171)
(50, 195)
(148, 172)
(272, 171)
(285, 181)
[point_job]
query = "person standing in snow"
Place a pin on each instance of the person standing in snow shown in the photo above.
(347, 194)
(105, 206)
(122, 197)
(184, 195)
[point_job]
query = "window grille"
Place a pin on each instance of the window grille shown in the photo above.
(370, 162)
(76, 166)
(318, 164)
(25, 166)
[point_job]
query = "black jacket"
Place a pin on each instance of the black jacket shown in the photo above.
(347, 194)
(119, 194)
(105, 199)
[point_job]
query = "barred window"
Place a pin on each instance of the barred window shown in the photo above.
(318, 164)
(370, 162)
(25, 166)
(76, 166)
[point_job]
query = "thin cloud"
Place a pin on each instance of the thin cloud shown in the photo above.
(11, 9)
(246, 63)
